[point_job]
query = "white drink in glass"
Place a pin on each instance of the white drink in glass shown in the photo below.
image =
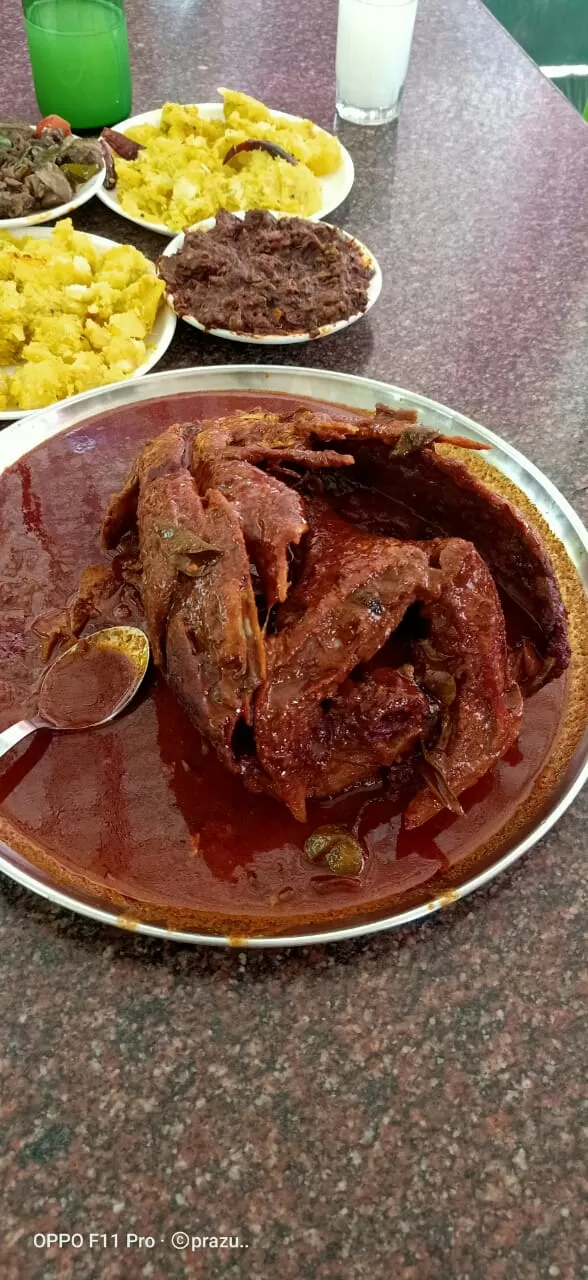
(373, 49)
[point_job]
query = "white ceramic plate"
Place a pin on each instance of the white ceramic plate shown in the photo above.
(335, 187)
(280, 339)
(83, 193)
(157, 342)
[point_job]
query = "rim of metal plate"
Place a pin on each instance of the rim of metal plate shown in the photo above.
(356, 392)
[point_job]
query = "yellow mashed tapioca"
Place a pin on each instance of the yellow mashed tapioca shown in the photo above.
(179, 177)
(71, 317)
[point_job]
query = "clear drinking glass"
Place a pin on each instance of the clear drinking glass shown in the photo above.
(373, 49)
(80, 60)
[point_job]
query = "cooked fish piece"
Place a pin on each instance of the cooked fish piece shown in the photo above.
(383, 650)
(467, 647)
(354, 591)
(429, 495)
(271, 516)
(172, 545)
(215, 657)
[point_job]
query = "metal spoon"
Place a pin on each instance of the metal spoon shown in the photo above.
(127, 641)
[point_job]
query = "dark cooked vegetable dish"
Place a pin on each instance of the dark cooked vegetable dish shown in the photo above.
(264, 275)
(316, 654)
(41, 168)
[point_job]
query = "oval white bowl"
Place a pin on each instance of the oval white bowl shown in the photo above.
(335, 186)
(157, 342)
(280, 339)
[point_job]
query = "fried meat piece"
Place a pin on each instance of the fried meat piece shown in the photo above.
(214, 648)
(435, 496)
(319, 700)
(270, 514)
(353, 593)
(465, 655)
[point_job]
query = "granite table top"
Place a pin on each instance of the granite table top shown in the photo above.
(408, 1106)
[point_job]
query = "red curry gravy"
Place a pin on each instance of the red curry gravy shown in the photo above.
(86, 685)
(141, 808)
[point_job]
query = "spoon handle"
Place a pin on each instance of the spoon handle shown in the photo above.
(15, 733)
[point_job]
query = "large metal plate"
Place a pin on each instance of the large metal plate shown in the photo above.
(359, 393)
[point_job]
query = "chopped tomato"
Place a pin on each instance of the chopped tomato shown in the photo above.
(52, 122)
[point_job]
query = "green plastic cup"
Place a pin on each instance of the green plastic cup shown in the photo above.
(80, 60)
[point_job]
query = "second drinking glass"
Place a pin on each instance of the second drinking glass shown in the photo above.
(373, 49)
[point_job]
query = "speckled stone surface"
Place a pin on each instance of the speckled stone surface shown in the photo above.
(410, 1106)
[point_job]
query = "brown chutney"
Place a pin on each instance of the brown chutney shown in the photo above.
(263, 275)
